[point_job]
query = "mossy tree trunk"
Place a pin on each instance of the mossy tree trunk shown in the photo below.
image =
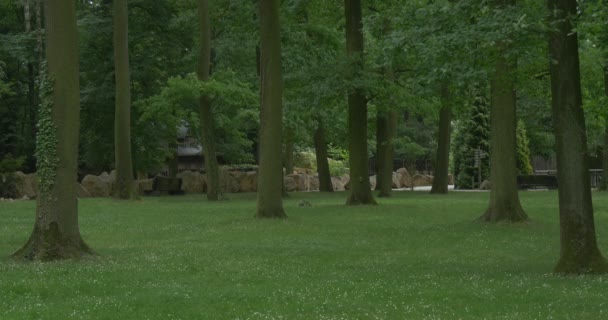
(442, 162)
(360, 189)
(56, 234)
(270, 177)
(504, 198)
(125, 187)
(579, 251)
(604, 184)
(325, 184)
(205, 112)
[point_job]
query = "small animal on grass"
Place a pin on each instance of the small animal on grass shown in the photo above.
(304, 203)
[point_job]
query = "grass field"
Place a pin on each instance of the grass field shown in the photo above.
(414, 256)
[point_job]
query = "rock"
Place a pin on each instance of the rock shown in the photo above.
(299, 180)
(144, 185)
(405, 179)
(97, 186)
(289, 183)
(486, 185)
(249, 182)
(313, 183)
(396, 181)
(26, 184)
(373, 181)
(337, 184)
(110, 179)
(422, 180)
(228, 184)
(81, 192)
(192, 182)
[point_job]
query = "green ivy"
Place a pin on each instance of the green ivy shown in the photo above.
(46, 140)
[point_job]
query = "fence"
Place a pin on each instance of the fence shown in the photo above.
(594, 174)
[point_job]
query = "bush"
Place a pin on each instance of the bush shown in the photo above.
(8, 181)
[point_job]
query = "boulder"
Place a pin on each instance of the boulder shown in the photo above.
(289, 183)
(249, 182)
(97, 186)
(192, 182)
(299, 180)
(422, 180)
(110, 179)
(81, 192)
(372, 182)
(313, 182)
(486, 185)
(405, 179)
(337, 184)
(26, 184)
(144, 185)
(228, 184)
(396, 181)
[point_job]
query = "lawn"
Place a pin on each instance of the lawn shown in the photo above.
(415, 256)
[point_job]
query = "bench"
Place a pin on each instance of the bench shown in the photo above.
(531, 181)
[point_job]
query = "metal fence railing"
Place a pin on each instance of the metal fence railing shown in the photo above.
(594, 174)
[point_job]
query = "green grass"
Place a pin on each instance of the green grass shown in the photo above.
(415, 256)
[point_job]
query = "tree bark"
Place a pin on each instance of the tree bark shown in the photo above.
(205, 108)
(270, 177)
(56, 234)
(579, 251)
(125, 187)
(325, 184)
(360, 190)
(442, 162)
(604, 184)
(385, 134)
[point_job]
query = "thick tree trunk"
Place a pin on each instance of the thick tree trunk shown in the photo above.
(325, 184)
(604, 185)
(579, 251)
(270, 177)
(442, 162)
(360, 190)
(381, 139)
(205, 113)
(125, 187)
(56, 234)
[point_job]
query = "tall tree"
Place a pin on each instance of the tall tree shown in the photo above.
(124, 189)
(270, 177)
(205, 113)
(604, 185)
(360, 189)
(325, 184)
(579, 251)
(442, 162)
(504, 199)
(56, 234)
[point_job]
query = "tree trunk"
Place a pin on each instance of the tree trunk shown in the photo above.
(125, 187)
(205, 112)
(360, 190)
(325, 184)
(604, 185)
(39, 44)
(56, 234)
(270, 177)
(504, 198)
(381, 141)
(579, 251)
(442, 162)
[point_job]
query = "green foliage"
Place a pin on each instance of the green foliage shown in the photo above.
(524, 166)
(338, 168)
(470, 135)
(8, 180)
(46, 139)
(305, 159)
